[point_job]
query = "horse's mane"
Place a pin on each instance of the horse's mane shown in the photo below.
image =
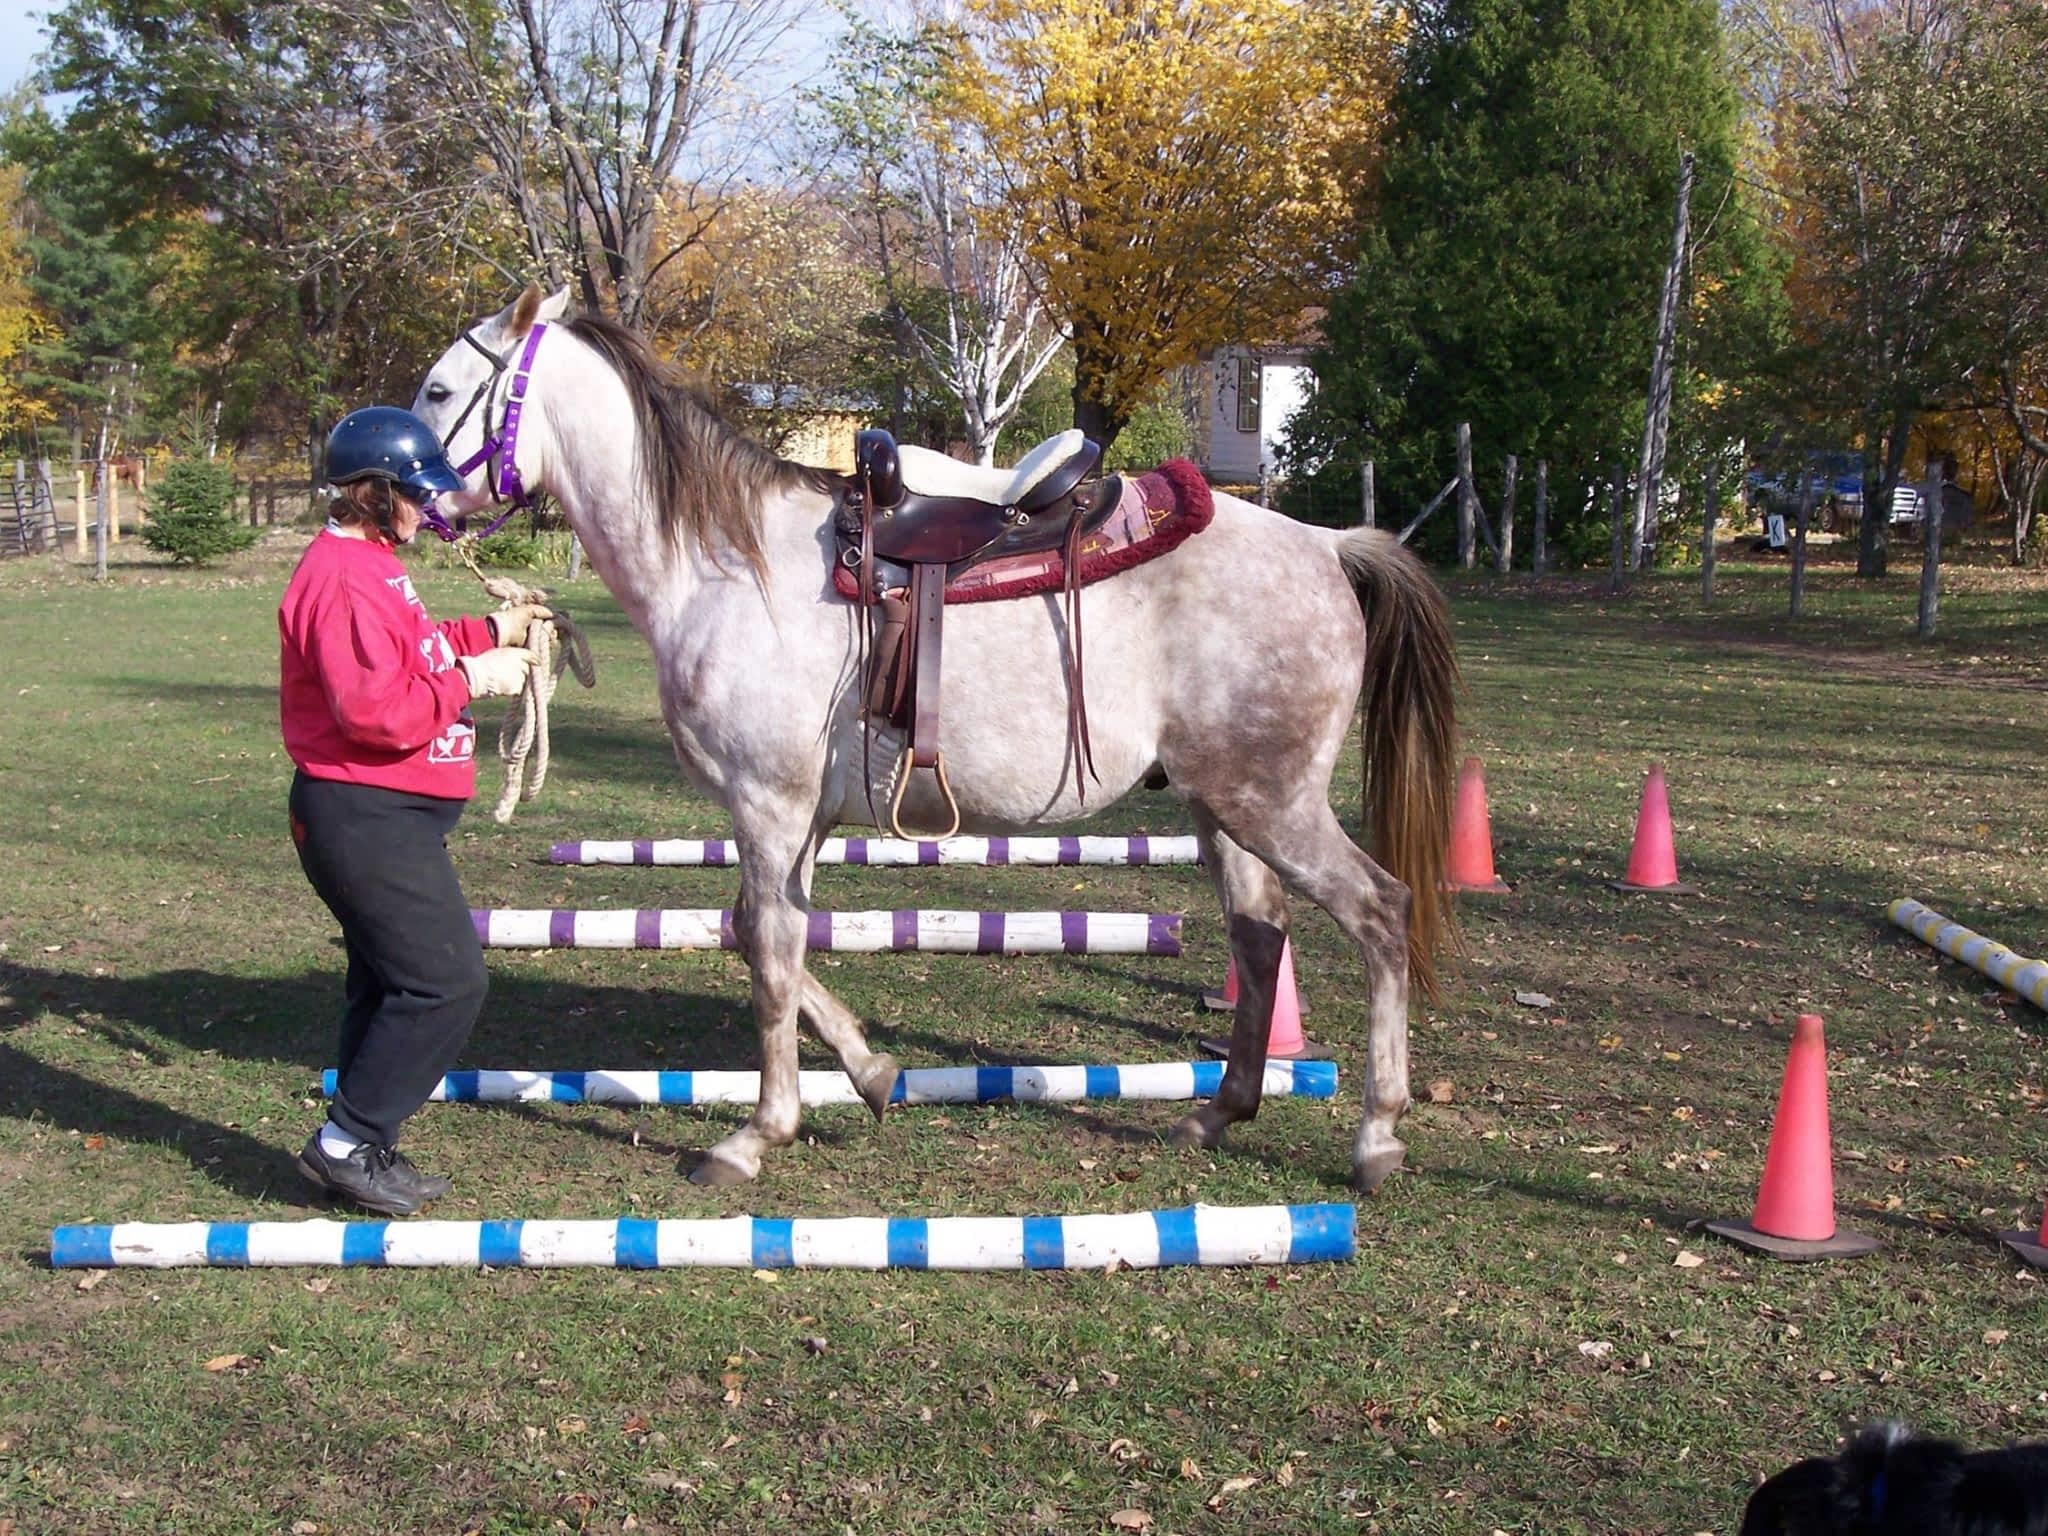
(707, 479)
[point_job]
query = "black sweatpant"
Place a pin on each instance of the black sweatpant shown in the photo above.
(416, 982)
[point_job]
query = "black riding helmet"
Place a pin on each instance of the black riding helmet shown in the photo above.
(382, 442)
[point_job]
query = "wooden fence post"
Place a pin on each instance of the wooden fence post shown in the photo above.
(1617, 483)
(78, 505)
(141, 493)
(1506, 552)
(1800, 520)
(1365, 482)
(1707, 521)
(1265, 485)
(1539, 549)
(1468, 497)
(1930, 559)
(112, 482)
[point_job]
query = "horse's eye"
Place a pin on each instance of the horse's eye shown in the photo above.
(438, 392)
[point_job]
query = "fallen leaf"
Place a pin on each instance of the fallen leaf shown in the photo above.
(305, 1528)
(668, 1482)
(572, 1425)
(636, 1425)
(815, 1343)
(1190, 1469)
(1124, 1451)
(1595, 1349)
(319, 1285)
(1688, 1260)
(94, 1142)
(230, 1362)
(1602, 1150)
(91, 1278)
(1825, 1377)
(1440, 1091)
(1995, 1335)
(767, 1277)
(1035, 1417)
(1285, 1476)
(1534, 1000)
(1230, 1485)
(1130, 1520)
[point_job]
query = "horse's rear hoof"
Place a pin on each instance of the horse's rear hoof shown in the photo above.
(1368, 1173)
(876, 1084)
(715, 1172)
(1197, 1132)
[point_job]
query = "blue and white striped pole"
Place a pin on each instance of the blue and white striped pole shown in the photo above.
(1202, 1234)
(916, 1085)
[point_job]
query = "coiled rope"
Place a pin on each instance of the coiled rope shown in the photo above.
(556, 643)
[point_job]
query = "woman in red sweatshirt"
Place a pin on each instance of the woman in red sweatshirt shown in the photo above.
(374, 699)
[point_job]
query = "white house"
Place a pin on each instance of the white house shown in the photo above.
(1251, 391)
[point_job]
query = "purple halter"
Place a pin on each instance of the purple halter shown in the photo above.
(502, 446)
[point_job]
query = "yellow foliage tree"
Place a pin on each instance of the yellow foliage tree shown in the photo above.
(1186, 173)
(20, 413)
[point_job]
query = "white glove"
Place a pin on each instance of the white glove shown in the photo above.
(497, 673)
(511, 624)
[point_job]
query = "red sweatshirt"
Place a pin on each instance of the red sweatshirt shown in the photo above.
(368, 689)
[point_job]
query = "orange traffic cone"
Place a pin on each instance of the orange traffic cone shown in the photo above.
(1795, 1202)
(2029, 1250)
(1470, 865)
(1284, 1038)
(1652, 866)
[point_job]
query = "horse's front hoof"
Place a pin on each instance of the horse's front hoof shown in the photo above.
(1198, 1132)
(1371, 1171)
(716, 1172)
(876, 1084)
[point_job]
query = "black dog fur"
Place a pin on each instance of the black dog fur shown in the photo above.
(1890, 1481)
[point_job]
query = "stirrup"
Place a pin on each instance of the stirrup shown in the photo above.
(904, 769)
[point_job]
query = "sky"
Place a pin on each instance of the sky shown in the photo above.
(21, 35)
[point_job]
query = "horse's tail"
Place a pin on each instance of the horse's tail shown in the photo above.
(1408, 730)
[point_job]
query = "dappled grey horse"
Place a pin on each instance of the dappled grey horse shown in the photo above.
(1230, 668)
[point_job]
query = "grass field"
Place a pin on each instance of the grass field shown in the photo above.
(168, 983)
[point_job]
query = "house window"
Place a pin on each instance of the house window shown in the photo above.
(1247, 394)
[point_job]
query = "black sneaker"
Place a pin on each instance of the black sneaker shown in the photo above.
(379, 1179)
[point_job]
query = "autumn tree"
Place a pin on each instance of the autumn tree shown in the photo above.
(923, 200)
(1897, 180)
(1182, 173)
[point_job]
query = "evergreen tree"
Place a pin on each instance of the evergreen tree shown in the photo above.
(1521, 233)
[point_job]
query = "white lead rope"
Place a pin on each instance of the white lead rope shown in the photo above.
(523, 740)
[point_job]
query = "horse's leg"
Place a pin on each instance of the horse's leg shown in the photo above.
(1306, 844)
(1255, 916)
(770, 927)
(873, 1072)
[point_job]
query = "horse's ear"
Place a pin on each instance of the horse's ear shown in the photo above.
(533, 304)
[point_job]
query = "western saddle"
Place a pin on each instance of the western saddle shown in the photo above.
(912, 520)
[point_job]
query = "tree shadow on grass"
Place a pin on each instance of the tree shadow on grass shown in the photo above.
(286, 1025)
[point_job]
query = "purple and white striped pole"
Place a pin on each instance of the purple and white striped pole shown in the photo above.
(911, 929)
(894, 851)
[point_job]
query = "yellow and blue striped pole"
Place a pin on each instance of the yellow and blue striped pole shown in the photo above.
(2015, 972)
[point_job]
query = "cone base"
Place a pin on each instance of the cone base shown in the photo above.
(1676, 888)
(1498, 888)
(2027, 1247)
(1214, 1000)
(1309, 1051)
(1843, 1245)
